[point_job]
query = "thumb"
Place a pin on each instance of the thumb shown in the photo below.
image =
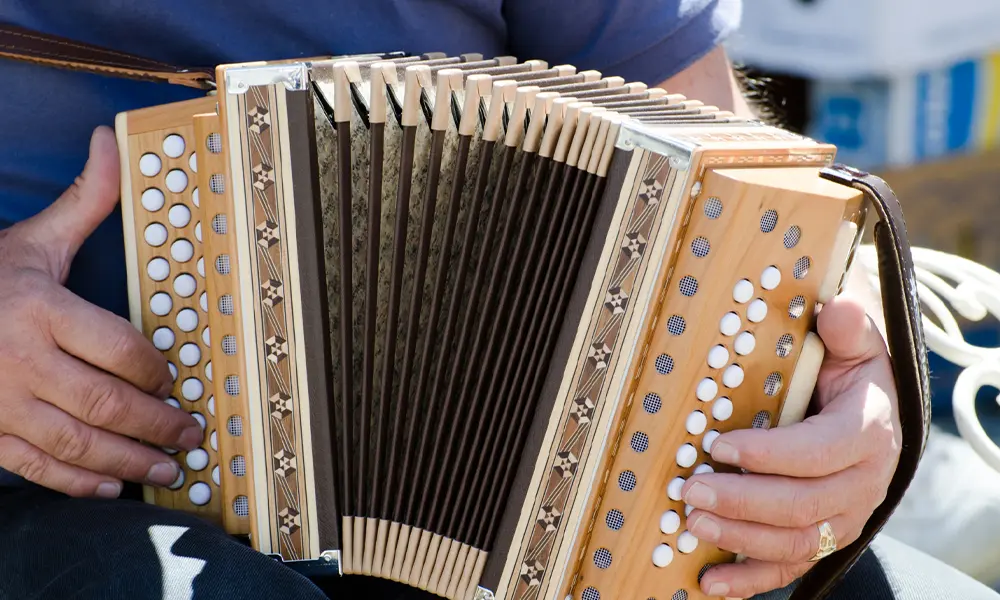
(63, 226)
(849, 334)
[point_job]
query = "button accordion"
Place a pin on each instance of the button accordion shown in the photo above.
(469, 324)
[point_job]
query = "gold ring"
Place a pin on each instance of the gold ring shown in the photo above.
(827, 541)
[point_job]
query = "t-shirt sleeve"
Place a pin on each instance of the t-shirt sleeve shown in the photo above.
(640, 40)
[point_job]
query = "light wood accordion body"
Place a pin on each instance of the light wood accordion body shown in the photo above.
(470, 323)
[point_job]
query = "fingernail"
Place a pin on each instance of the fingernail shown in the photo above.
(162, 473)
(700, 496)
(723, 452)
(705, 528)
(109, 490)
(191, 438)
(718, 589)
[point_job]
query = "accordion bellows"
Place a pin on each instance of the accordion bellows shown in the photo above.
(469, 324)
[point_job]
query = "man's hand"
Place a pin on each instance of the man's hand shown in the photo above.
(76, 382)
(835, 466)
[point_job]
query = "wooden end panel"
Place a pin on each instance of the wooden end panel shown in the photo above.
(744, 227)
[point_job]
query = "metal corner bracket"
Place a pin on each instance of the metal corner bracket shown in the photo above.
(295, 77)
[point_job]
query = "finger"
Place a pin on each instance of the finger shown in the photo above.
(108, 342)
(104, 401)
(74, 443)
(749, 578)
(848, 332)
(20, 457)
(766, 542)
(781, 501)
(64, 225)
(825, 443)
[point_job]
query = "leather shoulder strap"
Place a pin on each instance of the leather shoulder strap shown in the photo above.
(904, 330)
(26, 45)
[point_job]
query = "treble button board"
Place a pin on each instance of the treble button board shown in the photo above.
(167, 292)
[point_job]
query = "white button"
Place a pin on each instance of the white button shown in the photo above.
(730, 324)
(718, 356)
(160, 304)
(153, 199)
(674, 488)
(193, 163)
(158, 269)
(722, 409)
(173, 371)
(696, 422)
(201, 419)
(200, 494)
(686, 543)
(176, 485)
(185, 285)
(204, 301)
(688, 509)
(670, 522)
(686, 456)
(163, 338)
(201, 266)
(197, 231)
(150, 164)
(707, 389)
(663, 555)
(743, 291)
(197, 459)
(190, 354)
(757, 311)
(709, 439)
(770, 278)
(173, 145)
(745, 343)
(214, 440)
(155, 234)
(173, 402)
(703, 468)
(192, 389)
(206, 337)
(208, 371)
(733, 376)
(215, 475)
(182, 250)
(211, 405)
(187, 320)
(179, 215)
(176, 180)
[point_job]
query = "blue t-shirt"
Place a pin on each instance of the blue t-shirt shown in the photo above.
(49, 114)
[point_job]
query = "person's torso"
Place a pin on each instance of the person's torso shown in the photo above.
(50, 114)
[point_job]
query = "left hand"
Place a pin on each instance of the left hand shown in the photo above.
(834, 466)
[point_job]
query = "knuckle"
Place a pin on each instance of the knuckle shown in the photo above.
(71, 442)
(100, 404)
(34, 465)
(800, 548)
(806, 508)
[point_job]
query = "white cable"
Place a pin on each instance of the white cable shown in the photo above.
(973, 292)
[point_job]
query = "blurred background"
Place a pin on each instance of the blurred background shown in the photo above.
(910, 90)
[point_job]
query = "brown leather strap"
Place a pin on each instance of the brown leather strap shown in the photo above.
(26, 45)
(905, 339)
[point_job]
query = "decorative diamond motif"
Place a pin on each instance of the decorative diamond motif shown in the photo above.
(531, 573)
(634, 245)
(263, 176)
(284, 463)
(616, 300)
(599, 354)
(277, 349)
(565, 464)
(650, 191)
(272, 292)
(281, 405)
(267, 234)
(258, 119)
(582, 410)
(290, 522)
(548, 518)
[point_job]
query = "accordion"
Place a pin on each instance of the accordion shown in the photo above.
(468, 324)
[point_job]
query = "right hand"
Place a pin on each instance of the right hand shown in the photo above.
(76, 381)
